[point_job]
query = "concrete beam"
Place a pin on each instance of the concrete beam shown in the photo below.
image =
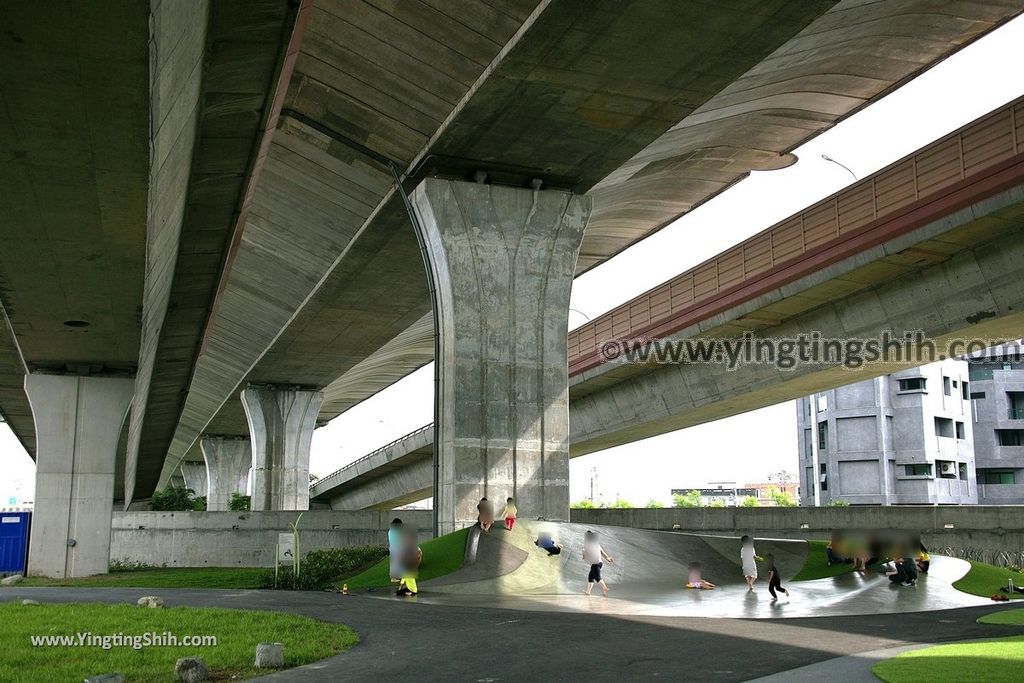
(502, 260)
(78, 420)
(281, 423)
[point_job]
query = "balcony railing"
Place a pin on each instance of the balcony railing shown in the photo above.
(1015, 413)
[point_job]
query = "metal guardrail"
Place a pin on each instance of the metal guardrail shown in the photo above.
(369, 455)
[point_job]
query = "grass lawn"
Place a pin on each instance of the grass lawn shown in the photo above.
(237, 631)
(816, 565)
(986, 580)
(992, 661)
(169, 577)
(1006, 617)
(441, 555)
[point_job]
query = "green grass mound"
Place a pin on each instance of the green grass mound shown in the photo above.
(169, 577)
(816, 564)
(986, 580)
(992, 661)
(237, 632)
(1006, 617)
(442, 555)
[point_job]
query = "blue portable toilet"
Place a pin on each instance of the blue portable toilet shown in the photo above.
(14, 528)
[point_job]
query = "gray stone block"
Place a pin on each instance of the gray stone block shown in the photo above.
(11, 580)
(269, 656)
(191, 670)
(150, 601)
(105, 678)
(30, 602)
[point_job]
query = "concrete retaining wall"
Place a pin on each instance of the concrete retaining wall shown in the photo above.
(992, 534)
(245, 539)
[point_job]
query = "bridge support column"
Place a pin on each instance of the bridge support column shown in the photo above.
(281, 423)
(228, 460)
(502, 260)
(194, 474)
(78, 421)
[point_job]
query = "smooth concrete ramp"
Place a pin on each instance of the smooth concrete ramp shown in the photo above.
(650, 571)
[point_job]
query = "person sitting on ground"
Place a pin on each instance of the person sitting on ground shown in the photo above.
(509, 514)
(546, 542)
(924, 560)
(411, 557)
(695, 581)
(899, 574)
(835, 549)
(485, 514)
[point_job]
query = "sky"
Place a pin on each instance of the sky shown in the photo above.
(745, 448)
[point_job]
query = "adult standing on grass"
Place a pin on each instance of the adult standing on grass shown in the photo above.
(394, 550)
(595, 556)
(748, 557)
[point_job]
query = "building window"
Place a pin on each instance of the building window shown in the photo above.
(997, 477)
(944, 427)
(963, 471)
(965, 391)
(961, 433)
(924, 470)
(822, 402)
(1010, 437)
(946, 387)
(823, 436)
(1015, 399)
(977, 395)
(823, 476)
(912, 384)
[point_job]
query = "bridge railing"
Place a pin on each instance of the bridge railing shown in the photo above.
(846, 220)
(337, 473)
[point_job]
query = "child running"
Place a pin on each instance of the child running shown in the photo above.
(774, 580)
(509, 513)
(595, 555)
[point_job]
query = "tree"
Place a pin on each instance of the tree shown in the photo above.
(621, 503)
(781, 498)
(690, 499)
(749, 502)
(584, 504)
(173, 498)
(838, 503)
(654, 504)
(199, 503)
(717, 503)
(239, 503)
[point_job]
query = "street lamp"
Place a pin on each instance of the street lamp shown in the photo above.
(837, 163)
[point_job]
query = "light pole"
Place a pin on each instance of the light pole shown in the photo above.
(840, 164)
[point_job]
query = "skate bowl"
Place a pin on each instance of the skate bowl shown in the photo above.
(507, 570)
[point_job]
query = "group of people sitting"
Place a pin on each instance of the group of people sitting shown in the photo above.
(485, 514)
(902, 558)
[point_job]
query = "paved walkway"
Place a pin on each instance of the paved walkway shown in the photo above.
(421, 642)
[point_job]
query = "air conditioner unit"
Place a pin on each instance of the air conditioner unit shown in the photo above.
(947, 468)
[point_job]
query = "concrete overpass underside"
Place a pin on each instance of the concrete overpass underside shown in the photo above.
(940, 257)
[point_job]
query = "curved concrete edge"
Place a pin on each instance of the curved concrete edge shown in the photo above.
(849, 669)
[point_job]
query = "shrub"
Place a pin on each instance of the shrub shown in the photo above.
(749, 502)
(239, 503)
(838, 503)
(199, 503)
(655, 504)
(323, 568)
(173, 498)
(621, 503)
(690, 499)
(583, 505)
